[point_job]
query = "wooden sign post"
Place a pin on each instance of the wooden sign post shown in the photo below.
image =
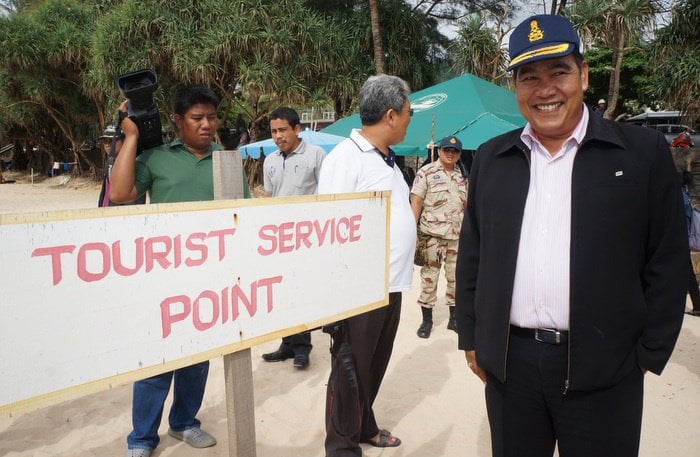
(238, 366)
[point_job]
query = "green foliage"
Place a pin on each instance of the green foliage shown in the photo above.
(414, 48)
(43, 56)
(59, 59)
(615, 25)
(477, 50)
(249, 52)
(677, 57)
(637, 84)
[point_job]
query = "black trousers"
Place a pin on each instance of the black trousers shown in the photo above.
(299, 343)
(349, 414)
(530, 412)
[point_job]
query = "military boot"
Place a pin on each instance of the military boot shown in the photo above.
(451, 322)
(427, 325)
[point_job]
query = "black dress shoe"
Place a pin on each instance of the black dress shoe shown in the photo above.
(452, 324)
(301, 360)
(424, 329)
(278, 356)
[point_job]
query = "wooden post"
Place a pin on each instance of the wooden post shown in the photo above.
(240, 407)
(238, 367)
(228, 175)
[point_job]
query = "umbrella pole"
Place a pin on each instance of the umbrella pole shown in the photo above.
(432, 140)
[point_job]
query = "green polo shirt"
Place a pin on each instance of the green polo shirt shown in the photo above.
(171, 173)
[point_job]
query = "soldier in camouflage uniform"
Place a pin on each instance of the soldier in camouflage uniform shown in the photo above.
(438, 200)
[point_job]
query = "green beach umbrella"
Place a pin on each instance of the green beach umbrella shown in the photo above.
(468, 107)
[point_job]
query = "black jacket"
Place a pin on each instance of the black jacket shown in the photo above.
(629, 253)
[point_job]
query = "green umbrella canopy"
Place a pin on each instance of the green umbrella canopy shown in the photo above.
(467, 107)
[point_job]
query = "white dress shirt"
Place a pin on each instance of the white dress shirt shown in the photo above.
(542, 273)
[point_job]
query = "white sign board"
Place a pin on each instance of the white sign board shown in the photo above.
(96, 298)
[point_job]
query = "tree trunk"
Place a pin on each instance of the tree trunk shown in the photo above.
(614, 87)
(376, 37)
(558, 9)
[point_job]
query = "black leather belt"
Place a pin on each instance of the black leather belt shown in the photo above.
(543, 335)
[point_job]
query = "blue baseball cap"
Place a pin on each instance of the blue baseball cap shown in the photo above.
(450, 142)
(541, 37)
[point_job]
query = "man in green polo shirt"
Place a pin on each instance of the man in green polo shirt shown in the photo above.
(176, 172)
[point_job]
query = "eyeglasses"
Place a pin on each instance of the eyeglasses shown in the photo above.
(410, 112)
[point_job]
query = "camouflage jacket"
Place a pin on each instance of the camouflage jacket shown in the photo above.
(444, 195)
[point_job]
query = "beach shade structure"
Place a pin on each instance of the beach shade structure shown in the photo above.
(468, 107)
(326, 141)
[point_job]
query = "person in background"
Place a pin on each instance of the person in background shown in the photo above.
(602, 106)
(112, 139)
(180, 171)
(438, 199)
(293, 169)
(362, 344)
(572, 268)
(683, 140)
(693, 291)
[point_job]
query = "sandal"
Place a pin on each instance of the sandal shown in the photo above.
(384, 440)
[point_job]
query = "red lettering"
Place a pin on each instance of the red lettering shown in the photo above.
(85, 275)
(220, 234)
(339, 234)
(165, 251)
(321, 233)
(55, 253)
(304, 230)
(201, 248)
(268, 282)
(168, 317)
(152, 255)
(237, 295)
(117, 263)
(177, 251)
(180, 308)
(213, 298)
(355, 227)
(291, 236)
(263, 235)
(332, 230)
(286, 236)
(224, 304)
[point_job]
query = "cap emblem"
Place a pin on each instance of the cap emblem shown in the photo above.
(535, 32)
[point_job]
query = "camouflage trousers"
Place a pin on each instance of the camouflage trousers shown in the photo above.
(439, 251)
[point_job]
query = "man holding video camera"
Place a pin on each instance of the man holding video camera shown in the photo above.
(176, 172)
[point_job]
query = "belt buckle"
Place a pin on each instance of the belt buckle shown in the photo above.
(557, 335)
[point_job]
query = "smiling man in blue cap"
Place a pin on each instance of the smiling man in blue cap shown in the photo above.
(572, 262)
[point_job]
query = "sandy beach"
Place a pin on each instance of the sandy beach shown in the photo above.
(429, 398)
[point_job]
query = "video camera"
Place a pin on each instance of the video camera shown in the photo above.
(138, 88)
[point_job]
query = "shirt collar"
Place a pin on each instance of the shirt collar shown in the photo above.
(365, 146)
(442, 167)
(599, 130)
(361, 141)
(177, 143)
(298, 150)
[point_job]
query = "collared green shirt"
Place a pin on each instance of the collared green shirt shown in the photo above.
(171, 173)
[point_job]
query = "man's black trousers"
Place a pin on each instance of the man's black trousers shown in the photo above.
(356, 375)
(531, 412)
